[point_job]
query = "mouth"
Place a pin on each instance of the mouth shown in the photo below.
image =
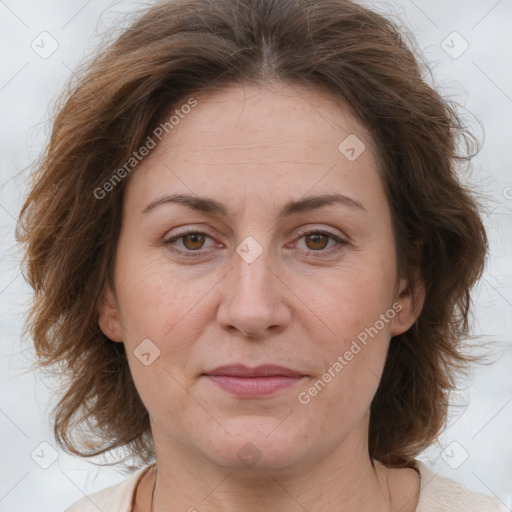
(262, 380)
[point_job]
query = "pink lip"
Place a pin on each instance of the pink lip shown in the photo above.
(260, 381)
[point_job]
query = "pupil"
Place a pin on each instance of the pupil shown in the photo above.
(195, 238)
(315, 238)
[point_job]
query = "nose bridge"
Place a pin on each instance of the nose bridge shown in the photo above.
(252, 276)
(252, 271)
(249, 301)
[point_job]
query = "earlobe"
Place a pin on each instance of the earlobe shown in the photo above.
(108, 315)
(411, 298)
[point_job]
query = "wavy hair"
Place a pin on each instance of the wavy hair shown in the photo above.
(173, 50)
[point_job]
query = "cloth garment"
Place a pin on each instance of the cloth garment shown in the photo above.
(437, 494)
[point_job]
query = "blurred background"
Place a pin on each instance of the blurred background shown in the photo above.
(468, 46)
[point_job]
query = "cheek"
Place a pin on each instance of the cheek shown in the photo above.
(162, 316)
(353, 361)
(347, 302)
(352, 316)
(157, 296)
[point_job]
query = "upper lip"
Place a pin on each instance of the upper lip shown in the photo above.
(266, 370)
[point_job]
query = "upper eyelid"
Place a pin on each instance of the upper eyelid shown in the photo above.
(189, 228)
(312, 229)
(302, 231)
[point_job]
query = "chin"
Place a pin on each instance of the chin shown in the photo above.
(255, 447)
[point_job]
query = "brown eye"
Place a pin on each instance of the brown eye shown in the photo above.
(193, 241)
(188, 244)
(317, 241)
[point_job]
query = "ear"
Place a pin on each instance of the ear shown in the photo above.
(108, 315)
(411, 297)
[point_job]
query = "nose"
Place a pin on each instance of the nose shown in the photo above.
(253, 298)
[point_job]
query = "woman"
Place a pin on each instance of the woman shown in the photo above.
(252, 257)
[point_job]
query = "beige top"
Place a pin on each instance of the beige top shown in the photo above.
(437, 494)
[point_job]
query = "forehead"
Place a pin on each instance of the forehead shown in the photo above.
(280, 116)
(281, 138)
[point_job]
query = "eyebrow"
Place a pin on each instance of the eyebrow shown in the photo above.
(215, 208)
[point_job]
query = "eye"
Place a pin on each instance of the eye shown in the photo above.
(192, 242)
(317, 240)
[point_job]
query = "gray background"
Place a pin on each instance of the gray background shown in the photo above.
(476, 449)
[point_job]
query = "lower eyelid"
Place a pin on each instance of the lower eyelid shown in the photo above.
(325, 253)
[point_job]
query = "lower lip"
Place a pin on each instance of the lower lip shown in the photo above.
(254, 386)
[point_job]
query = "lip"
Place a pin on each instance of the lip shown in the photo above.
(265, 370)
(262, 380)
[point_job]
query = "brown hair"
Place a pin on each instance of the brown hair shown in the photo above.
(176, 49)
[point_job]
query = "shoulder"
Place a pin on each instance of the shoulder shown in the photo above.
(116, 498)
(442, 494)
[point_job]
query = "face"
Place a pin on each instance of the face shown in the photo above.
(248, 270)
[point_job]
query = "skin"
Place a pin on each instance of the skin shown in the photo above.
(300, 304)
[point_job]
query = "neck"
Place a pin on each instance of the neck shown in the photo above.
(351, 483)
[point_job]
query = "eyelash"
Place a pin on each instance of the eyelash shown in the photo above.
(301, 233)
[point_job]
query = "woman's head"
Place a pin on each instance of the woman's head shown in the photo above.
(250, 287)
(255, 104)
